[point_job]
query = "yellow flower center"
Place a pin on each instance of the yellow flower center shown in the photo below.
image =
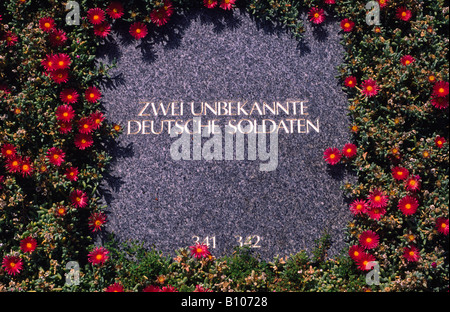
(408, 206)
(138, 31)
(441, 90)
(368, 239)
(347, 25)
(61, 63)
(377, 198)
(69, 96)
(356, 253)
(369, 88)
(407, 62)
(98, 223)
(83, 141)
(25, 167)
(29, 245)
(47, 25)
(96, 17)
(12, 264)
(99, 257)
(78, 199)
(56, 156)
(316, 15)
(411, 253)
(403, 14)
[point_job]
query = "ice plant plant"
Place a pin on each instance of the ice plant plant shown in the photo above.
(199, 251)
(332, 155)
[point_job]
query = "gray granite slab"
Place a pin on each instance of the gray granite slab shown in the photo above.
(208, 56)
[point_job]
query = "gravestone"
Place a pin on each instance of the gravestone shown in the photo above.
(210, 67)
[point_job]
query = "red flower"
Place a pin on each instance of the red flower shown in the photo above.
(115, 10)
(65, 113)
(102, 30)
(116, 287)
(199, 288)
(72, 173)
(25, 167)
(369, 87)
(96, 221)
(330, 1)
(151, 288)
(440, 88)
(97, 119)
(28, 244)
(413, 183)
(210, 4)
(61, 211)
(400, 173)
(10, 38)
(78, 198)
(96, 16)
(349, 150)
(47, 24)
(199, 250)
(407, 60)
(159, 16)
(49, 63)
(83, 141)
(316, 15)
(356, 252)
(92, 94)
(85, 125)
(411, 254)
(55, 156)
(383, 3)
(358, 206)
(442, 225)
(138, 30)
(369, 239)
(12, 264)
(64, 127)
(377, 199)
(350, 82)
(332, 155)
(440, 102)
(60, 76)
(8, 150)
(227, 4)
(98, 255)
(61, 61)
(57, 38)
(364, 262)
(13, 164)
(403, 14)
(69, 96)
(440, 141)
(376, 212)
(347, 25)
(169, 288)
(408, 205)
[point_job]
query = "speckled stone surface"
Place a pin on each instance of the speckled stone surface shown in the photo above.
(210, 55)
